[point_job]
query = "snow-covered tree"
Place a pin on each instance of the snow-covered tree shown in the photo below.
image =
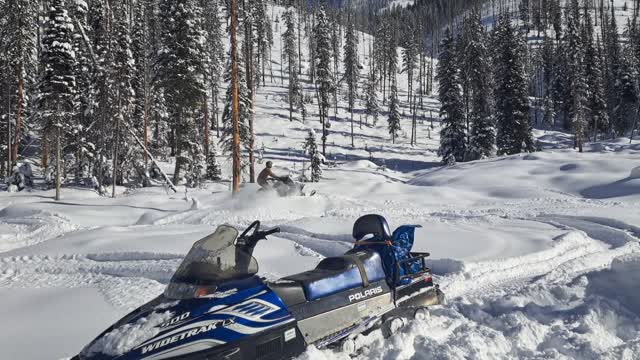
(596, 106)
(244, 110)
(57, 85)
(181, 72)
(576, 89)
(452, 135)
(409, 59)
(482, 135)
(351, 69)
(214, 171)
(215, 52)
(296, 98)
(19, 52)
(394, 112)
(324, 75)
(311, 150)
(372, 108)
(514, 134)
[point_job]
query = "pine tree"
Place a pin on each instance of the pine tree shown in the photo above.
(549, 112)
(215, 52)
(575, 95)
(351, 69)
(409, 60)
(214, 171)
(514, 133)
(57, 85)
(311, 150)
(549, 81)
(182, 69)
(264, 39)
(296, 98)
(324, 75)
(613, 76)
(482, 137)
(244, 110)
(20, 35)
(394, 112)
(316, 170)
(452, 135)
(83, 100)
(627, 107)
(129, 156)
(596, 105)
(140, 71)
(372, 108)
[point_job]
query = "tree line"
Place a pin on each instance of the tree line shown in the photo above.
(543, 63)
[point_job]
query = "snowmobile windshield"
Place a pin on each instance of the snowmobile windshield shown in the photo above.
(211, 261)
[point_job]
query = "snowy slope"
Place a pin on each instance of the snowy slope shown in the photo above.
(538, 254)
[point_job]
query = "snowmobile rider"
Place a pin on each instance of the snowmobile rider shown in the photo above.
(266, 175)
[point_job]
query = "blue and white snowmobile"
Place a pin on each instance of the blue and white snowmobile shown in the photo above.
(215, 307)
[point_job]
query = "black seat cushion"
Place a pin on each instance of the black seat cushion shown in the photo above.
(290, 292)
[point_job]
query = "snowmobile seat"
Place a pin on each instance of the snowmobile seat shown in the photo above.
(290, 292)
(336, 274)
(371, 224)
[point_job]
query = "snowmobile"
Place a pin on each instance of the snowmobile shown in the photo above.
(286, 187)
(216, 307)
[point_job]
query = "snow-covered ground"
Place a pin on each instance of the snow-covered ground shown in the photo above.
(538, 254)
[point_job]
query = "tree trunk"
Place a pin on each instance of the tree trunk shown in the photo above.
(214, 105)
(352, 142)
(290, 94)
(234, 96)
(635, 126)
(45, 150)
(19, 102)
(206, 128)
(299, 41)
(178, 147)
(146, 128)
(249, 74)
(58, 158)
(9, 140)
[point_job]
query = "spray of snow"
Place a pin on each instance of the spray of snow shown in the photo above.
(126, 337)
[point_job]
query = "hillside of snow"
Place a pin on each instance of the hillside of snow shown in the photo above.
(538, 254)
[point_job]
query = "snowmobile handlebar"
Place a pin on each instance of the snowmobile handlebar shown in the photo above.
(271, 232)
(250, 241)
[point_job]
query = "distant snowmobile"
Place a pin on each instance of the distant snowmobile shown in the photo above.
(215, 307)
(286, 187)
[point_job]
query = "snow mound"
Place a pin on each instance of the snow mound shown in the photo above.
(360, 164)
(620, 282)
(121, 340)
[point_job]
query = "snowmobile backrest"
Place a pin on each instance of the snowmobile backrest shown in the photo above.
(371, 224)
(396, 248)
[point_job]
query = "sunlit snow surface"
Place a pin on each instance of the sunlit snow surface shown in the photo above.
(538, 254)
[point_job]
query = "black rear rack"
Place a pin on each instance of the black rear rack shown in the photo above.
(416, 257)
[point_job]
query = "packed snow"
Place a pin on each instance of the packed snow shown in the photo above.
(538, 254)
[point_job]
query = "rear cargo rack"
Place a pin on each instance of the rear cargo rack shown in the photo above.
(405, 265)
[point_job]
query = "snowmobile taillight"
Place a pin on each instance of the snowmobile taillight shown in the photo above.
(428, 279)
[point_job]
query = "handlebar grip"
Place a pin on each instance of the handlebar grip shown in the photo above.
(272, 231)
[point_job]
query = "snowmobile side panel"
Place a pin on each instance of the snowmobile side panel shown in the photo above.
(343, 311)
(283, 342)
(326, 304)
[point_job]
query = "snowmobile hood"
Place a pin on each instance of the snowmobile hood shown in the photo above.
(165, 328)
